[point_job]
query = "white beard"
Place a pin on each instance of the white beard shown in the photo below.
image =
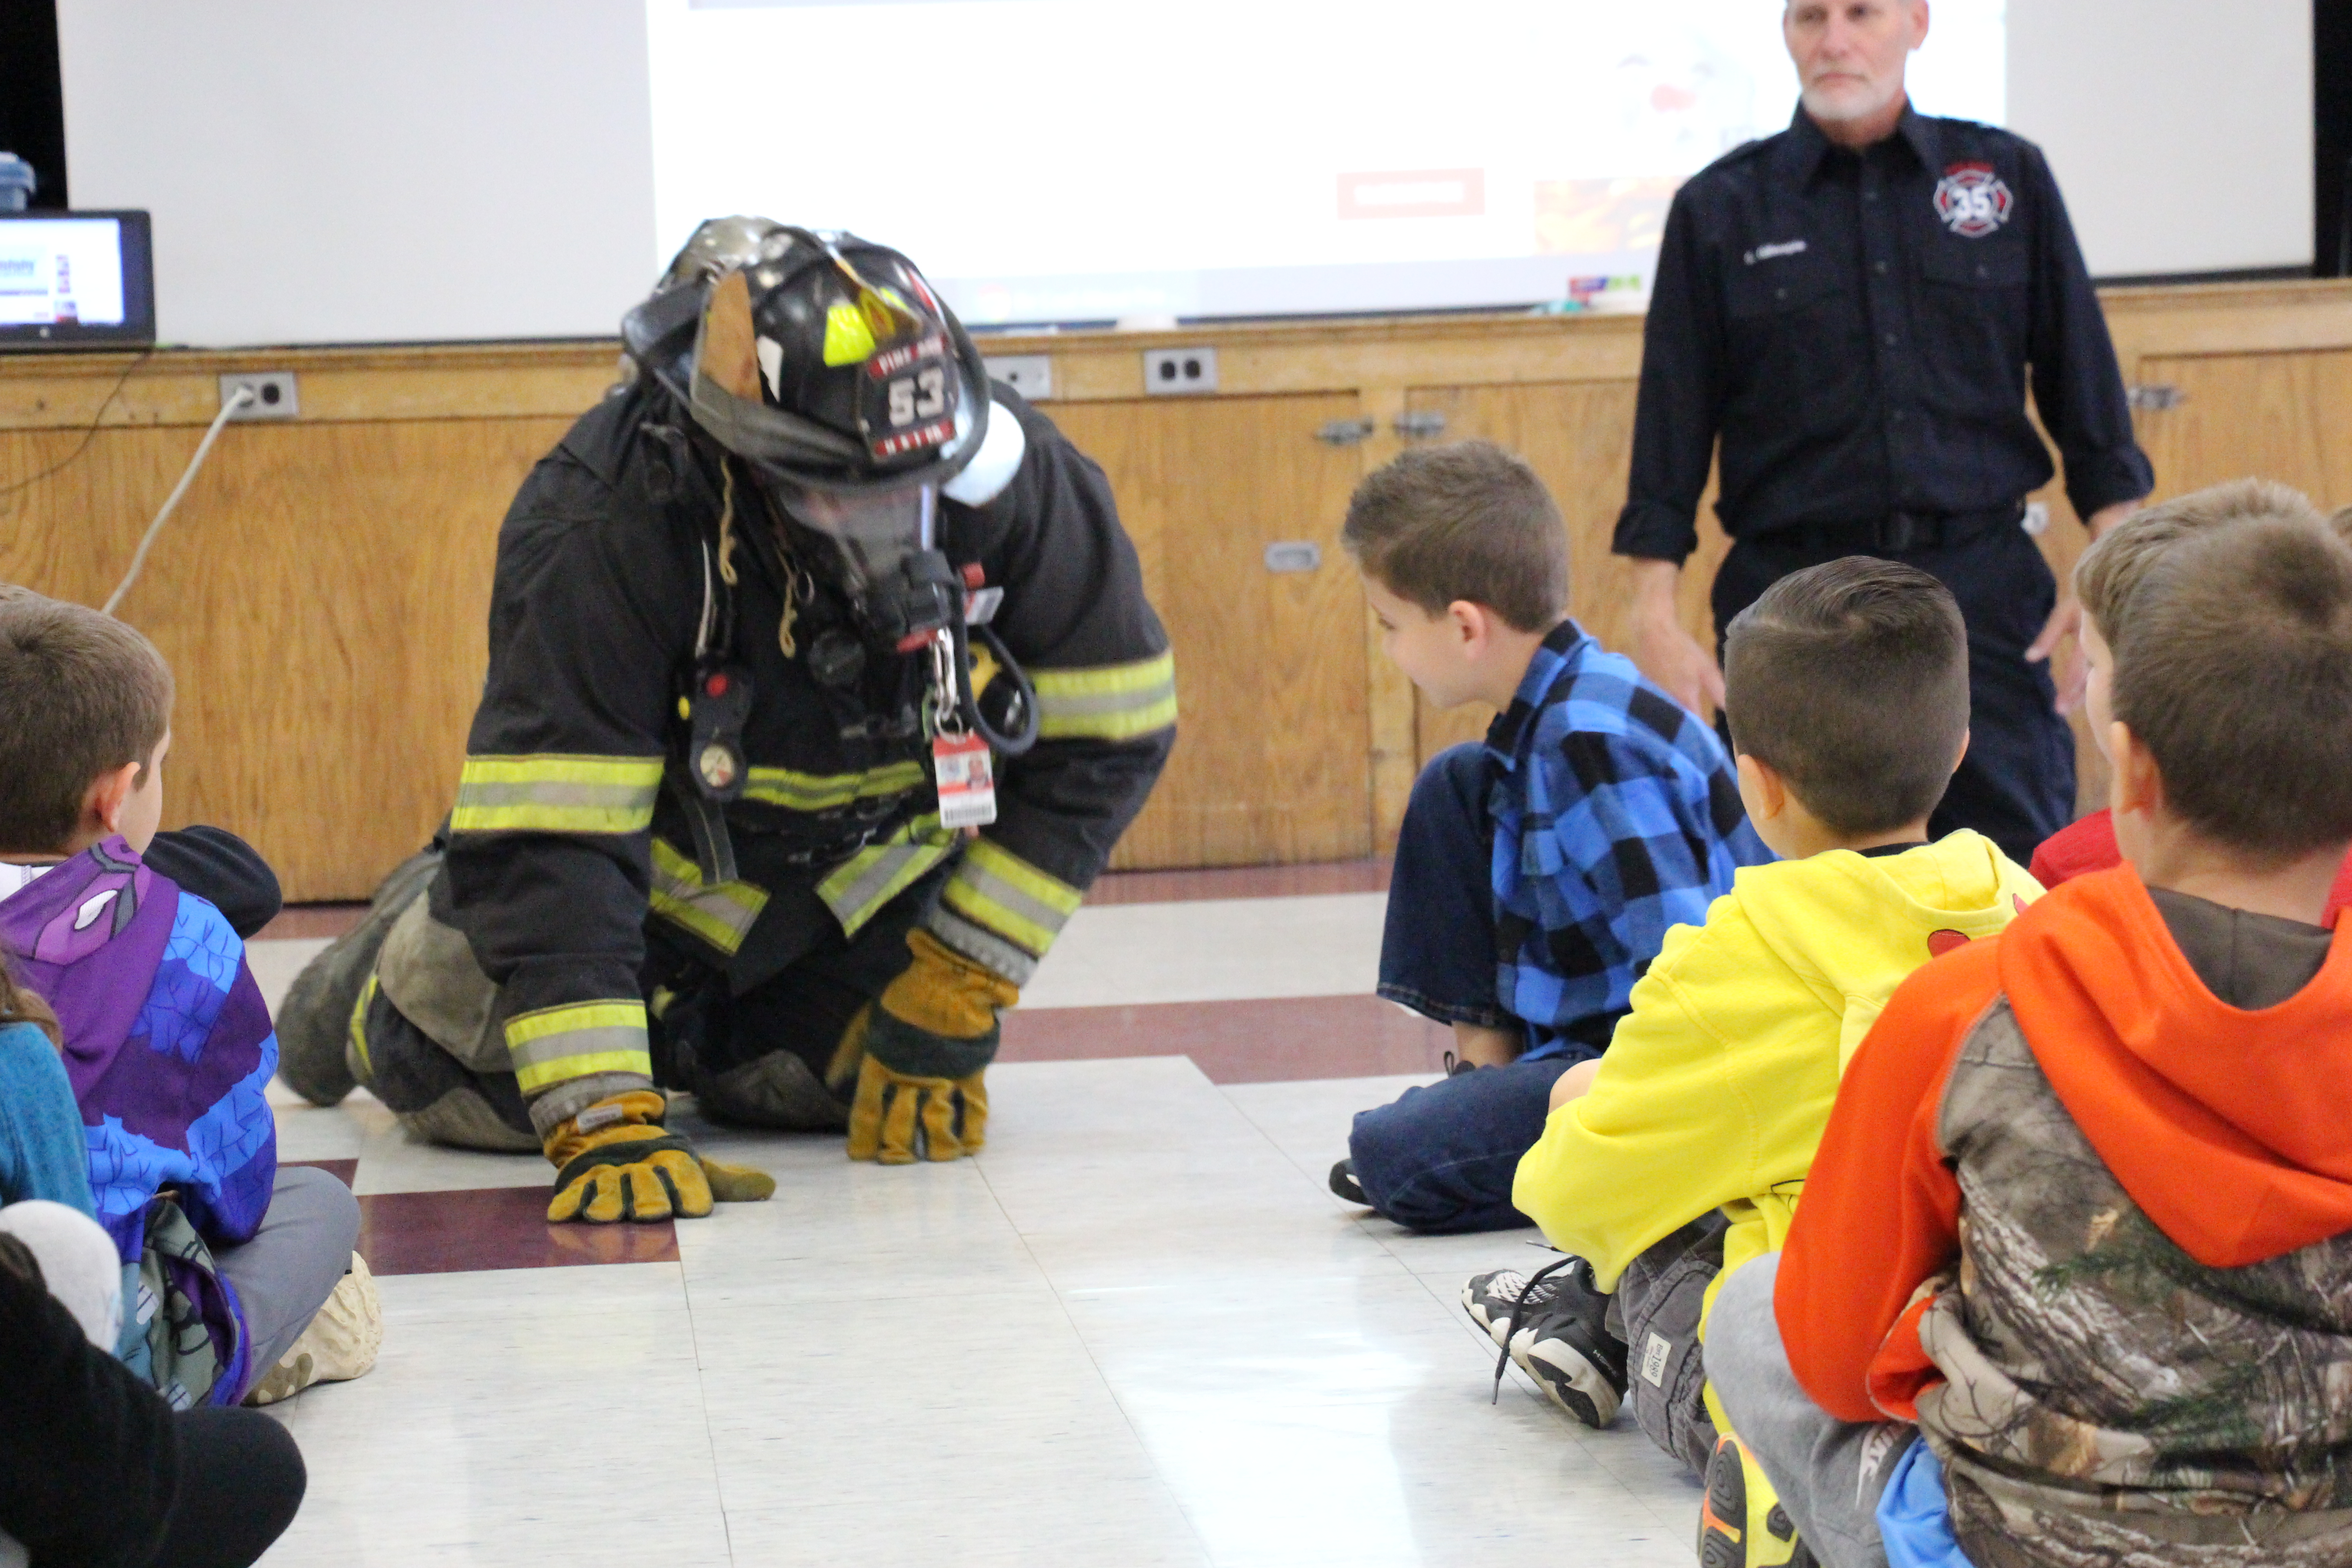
(1832, 108)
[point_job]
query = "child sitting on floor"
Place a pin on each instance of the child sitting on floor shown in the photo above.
(1536, 875)
(2089, 844)
(94, 1467)
(167, 1042)
(2083, 1212)
(1682, 1152)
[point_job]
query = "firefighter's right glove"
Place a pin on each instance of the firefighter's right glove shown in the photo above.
(614, 1161)
(920, 1053)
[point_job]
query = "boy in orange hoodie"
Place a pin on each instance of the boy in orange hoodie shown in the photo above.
(2080, 1219)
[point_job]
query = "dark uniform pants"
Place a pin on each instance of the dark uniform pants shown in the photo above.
(2016, 786)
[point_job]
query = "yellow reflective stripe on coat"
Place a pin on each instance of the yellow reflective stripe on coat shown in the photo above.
(721, 915)
(555, 1044)
(1001, 892)
(1106, 702)
(822, 792)
(556, 793)
(856, 889)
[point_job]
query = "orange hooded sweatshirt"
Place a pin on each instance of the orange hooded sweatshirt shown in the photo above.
(2226, 1127)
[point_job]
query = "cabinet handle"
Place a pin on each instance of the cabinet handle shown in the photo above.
(1345, 432)
(2155, 396)
(1419, 424)
(1294, 555)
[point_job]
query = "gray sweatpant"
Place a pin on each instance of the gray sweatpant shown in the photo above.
(1829, 1472)
(284, 1274)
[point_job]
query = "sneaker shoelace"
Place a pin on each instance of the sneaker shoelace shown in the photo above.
(1511, 1318)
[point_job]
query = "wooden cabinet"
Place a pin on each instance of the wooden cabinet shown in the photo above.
(321, 591)
(1270, 664)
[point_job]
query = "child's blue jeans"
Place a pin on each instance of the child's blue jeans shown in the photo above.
(1441, 1158)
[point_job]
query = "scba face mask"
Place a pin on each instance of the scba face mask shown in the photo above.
(904, 589)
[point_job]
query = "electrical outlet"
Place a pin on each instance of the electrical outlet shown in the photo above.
(1180, 370)
(273, 394)
(1031, 375)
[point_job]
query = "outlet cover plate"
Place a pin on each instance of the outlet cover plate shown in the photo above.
(276, 394)
(1031, 375)
(1176, 372)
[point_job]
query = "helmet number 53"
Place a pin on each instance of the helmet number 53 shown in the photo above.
(922, 395)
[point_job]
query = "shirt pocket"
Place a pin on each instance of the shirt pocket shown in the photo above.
(1975, 264)
(1781, 286)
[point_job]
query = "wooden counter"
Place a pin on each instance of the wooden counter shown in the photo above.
(322, 590)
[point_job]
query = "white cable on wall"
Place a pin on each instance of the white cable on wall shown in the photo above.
(203, 449)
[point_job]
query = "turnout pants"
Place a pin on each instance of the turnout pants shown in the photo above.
(2016, 786)
(756, 1050)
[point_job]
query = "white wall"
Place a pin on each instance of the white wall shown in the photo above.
(342, 171)
(2180, 130)
(352, 171)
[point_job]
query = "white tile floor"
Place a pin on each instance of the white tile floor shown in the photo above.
(1137, 1330)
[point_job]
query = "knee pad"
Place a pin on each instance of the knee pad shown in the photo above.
(437, 1098)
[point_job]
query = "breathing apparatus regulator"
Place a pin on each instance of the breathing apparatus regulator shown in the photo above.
(827, 372)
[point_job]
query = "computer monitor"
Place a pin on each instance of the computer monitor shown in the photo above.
(76, 281)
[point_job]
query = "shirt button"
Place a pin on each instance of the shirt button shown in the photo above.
(1879, 268)
(1870, 195)
(1892, 340)
(1895, 417)
(1779, 293)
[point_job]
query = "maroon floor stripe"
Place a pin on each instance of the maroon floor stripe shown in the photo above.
(297, 921)
(1239, 1042)
(494, 1227)
(1241, 883)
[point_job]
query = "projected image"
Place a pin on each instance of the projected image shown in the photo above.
(60, 272)
(1084, 160)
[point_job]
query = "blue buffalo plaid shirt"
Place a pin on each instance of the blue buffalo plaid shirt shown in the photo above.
(1616, 816)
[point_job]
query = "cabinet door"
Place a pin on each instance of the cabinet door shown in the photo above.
(1271, 762)
(1580, 436)
(2281, 415)
(323, 597)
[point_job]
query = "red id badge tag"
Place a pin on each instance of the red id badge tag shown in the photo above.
(967, 784)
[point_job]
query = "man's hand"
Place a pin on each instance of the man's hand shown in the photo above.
(2061, 641)
(919, 1056)
(1663, 650)
(614, 1161)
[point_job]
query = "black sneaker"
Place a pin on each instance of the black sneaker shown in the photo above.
(1344, 1182)
(1495, 1301)
(1565, 1345)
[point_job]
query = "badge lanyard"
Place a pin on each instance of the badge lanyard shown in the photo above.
(960, 760)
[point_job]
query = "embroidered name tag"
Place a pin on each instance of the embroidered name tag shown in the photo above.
(1771, 252)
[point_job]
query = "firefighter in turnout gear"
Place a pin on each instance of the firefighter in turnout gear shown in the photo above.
(822, 683)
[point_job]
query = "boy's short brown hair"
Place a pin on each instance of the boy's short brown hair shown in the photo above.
(83, 694)
(1464, 520)
(1851, 680)
(2111, 569)
(2234, 668)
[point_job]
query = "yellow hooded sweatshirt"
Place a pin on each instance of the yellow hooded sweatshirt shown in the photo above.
(1716, 1088)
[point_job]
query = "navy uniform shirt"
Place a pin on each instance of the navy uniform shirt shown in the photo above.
(1858, 329)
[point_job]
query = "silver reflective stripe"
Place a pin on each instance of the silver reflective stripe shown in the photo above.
(861, 885)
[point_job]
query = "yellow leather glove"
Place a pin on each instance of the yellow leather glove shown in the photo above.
(919, 1054)
(614, 1161)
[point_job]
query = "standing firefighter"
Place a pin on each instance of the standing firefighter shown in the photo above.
(763, 627)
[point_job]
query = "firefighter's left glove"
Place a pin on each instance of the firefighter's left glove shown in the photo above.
(615, 1160)
(921, 1052)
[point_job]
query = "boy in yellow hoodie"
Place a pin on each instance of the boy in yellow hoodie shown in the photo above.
(1679, 1154)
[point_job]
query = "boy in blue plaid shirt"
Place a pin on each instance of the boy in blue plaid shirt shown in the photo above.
(1537, 874)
